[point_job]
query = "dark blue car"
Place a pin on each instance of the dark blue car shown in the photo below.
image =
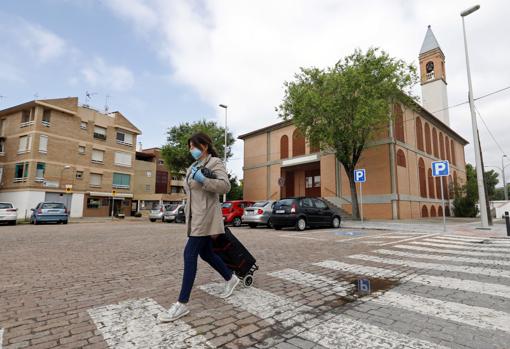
(49, 212)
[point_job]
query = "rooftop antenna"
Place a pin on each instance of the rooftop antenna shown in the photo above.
(106, 108)
(88, 97)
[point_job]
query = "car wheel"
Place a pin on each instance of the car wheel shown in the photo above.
(336, 222)
(269, 224)
(253, 225)
(152, 220)
(301, 224)
(277, 227)
(237, 222)
(65, 222)
(12, 222)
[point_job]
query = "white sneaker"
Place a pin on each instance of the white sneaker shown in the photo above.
(176, 311)
(230, 286)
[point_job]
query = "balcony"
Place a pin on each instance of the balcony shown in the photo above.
(120, 186)
(26, 123)
(45, 123)
(100, 136)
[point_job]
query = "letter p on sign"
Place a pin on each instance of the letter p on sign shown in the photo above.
(359, 176)
(440, 168)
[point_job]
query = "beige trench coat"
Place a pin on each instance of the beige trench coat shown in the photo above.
(203, 207)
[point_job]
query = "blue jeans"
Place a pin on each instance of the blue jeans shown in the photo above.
(199, 246)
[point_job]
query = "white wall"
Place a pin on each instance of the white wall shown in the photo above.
(501, 207)
(77, 200)
(23, 200)
(435, 97)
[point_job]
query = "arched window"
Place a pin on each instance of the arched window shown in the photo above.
(423, 179)
(401, 158)
(447, 148)
(284, 147)
(433, 212)
(399, 123)
(441, 146)
(445, 188)
(438, 187)
(298, 143)
(440, 211)
(424, 211)
(431, 184)
(428, 143)
(452, 149)
(419, 134)
(434, 142)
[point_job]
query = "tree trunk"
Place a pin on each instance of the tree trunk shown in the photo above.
(354, 195)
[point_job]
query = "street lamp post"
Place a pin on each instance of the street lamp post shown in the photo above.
(224, 106)
(478, 155)
(503, 174)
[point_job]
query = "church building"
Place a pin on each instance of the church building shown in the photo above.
(279, 162)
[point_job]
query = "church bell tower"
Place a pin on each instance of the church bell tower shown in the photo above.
(433, 78)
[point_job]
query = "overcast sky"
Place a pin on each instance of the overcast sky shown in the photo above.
(164, 62)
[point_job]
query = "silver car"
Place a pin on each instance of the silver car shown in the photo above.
(158, 211)
(171, 213)
(8, 213)
(259, 213)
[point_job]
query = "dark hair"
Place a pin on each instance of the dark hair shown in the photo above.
(203, 139)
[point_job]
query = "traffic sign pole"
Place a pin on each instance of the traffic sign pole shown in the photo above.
(442, 200)
(361, 201)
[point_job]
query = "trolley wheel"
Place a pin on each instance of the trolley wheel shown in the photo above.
(248, 280)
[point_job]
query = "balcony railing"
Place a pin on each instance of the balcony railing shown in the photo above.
(45, 123)
(100, 136)
(120, 186)
(26, 123)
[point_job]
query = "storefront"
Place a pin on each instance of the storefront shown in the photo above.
(99, 204)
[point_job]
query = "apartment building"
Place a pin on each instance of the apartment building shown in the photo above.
(58, 150)
(154, 183)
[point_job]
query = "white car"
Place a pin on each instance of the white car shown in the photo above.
(8, 213)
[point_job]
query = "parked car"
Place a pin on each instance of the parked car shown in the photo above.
(170, 213)
(158, 212)
(259, 213)
(302, 212)
(49, 212)
(234, 210)
(8, 213)
(181, 215)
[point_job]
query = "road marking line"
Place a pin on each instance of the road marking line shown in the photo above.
(435, 266)
(451, 311)
(463, 246)
(362, 237)
(133, 324)
(343, 332)
(323, 284)
(413, 238)
(456, 252)
(459, 238)
(302, 237)
(1, 336)
(327, 330)
(429, 280)
(492, 262)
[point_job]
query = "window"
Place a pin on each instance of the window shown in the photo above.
(431, 184)
(96, 179)
(121, 180)
(124, 138)
(148, 173)
(147, 187)
(27, 118)
(161, 162)
(306, 203)
(93, 203)
(419, 134)
(399, 123)
(97, 155)
(83, 125)
(422, 177)
(320, 204)
(447, 148)
(438, 187)
(452, 149)
(21, 172)
(2, 147)
(39, 172)
(309, 182)
(46, 117)
(424, 211)
(428, 143)
(100, 133)
(316, 181)
(25, 144)
(43, 144)
(79, 174)
(298, 143)
(433, 211)
(2, 124)
(401, 158)
(441, 146)
(174, 189)
(284, 147)
(122, 159)
(81, 149)
(434, 142)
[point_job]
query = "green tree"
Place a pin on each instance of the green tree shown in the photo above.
(343, 107)
(491, 180)
(236, 189)
(176, 153)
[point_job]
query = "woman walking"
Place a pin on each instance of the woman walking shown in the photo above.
(204, 220)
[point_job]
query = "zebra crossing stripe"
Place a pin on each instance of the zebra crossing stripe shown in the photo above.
(360, 269)
(469, 247)
(456, 252)
(1, 336)
(480, 317)
(435, 266)
(328, 330)
(492, 262)
(459, 238)
(406, 240)
(472, 245)
(323, 284)
(133, 324)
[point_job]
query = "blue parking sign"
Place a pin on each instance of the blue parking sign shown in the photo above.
(360, 176)
(440, 168)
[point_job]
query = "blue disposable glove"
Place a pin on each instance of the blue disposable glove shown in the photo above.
(197, 175)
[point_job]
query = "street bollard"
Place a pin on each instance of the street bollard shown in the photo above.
(507, 221)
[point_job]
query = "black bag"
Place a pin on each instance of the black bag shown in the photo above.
(235, 255)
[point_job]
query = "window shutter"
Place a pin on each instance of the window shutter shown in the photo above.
(95, 179)
(97, 155)
(123, 159)
(43, 144)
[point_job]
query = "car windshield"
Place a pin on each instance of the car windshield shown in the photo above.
(260, 204)
(4, 205)
(156, 207)
(227, 205)
(285, 202)
(171, 207)
(53, 205)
